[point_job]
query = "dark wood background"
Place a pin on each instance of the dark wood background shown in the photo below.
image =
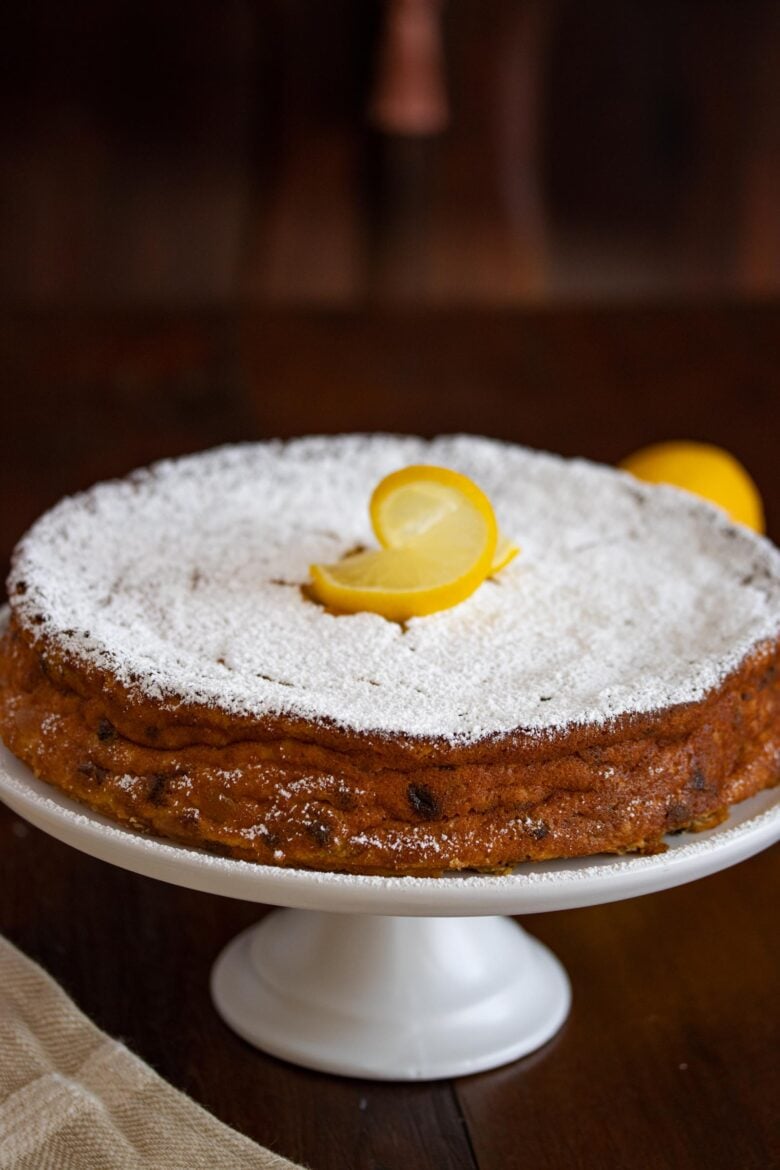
(669, 1058)
(209, 152)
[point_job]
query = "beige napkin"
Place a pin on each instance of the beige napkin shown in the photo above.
(71, 1098)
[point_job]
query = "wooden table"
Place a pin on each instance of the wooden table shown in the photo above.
(669, 1058)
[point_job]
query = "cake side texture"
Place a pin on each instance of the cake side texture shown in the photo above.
(367, 807)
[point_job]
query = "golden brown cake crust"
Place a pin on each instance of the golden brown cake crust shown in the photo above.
(284, 791)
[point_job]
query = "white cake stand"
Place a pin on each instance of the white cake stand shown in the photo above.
(393, 978)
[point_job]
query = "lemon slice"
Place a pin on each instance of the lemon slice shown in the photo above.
(705, 470)
(506, 551)
(409, 502)
(447, 554)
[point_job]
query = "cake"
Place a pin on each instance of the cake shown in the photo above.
(164, 663)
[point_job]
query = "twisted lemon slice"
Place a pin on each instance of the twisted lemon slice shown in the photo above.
(449, 545)
(411, 501)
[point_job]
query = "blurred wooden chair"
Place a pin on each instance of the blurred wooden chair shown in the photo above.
(405, 151)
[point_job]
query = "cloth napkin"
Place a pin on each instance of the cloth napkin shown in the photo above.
(71, 1098)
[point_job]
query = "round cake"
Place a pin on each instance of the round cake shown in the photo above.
(165, 663)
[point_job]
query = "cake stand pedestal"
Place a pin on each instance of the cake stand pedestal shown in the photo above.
(389, 997)
(393, 978)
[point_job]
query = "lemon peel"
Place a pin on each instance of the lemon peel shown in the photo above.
(448, 549)
(409, 501)
(506, 551)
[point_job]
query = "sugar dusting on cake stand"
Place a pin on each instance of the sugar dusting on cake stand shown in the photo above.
(385, 977)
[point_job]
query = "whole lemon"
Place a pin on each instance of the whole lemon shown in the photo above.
(705, 470)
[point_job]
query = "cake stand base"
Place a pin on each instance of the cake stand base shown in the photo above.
(390, 998)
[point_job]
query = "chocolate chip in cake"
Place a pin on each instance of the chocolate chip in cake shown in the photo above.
(21, 587)
(698, 781)
(344, 800)
(320, 832)
(678, 816)
(423, 802)
(540, 831)
(157, 788)
(92, 771)
(105, 730)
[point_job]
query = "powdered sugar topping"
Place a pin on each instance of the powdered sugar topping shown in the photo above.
(184, 580)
